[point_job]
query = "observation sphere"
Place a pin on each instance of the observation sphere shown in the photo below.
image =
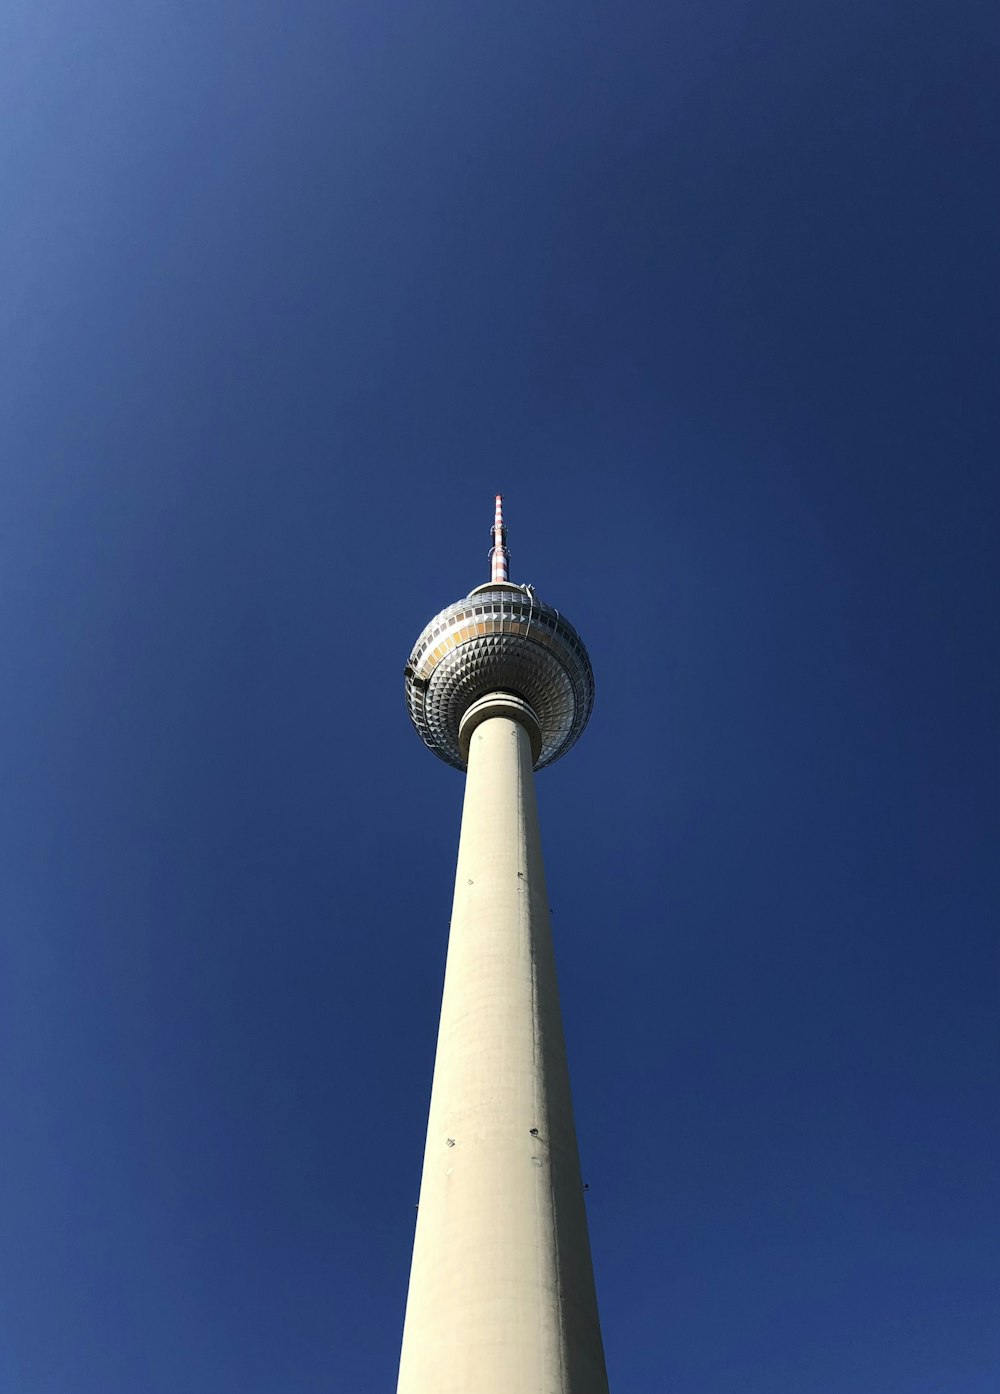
(500, 638)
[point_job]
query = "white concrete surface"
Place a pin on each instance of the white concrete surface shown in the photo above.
(501, 1297)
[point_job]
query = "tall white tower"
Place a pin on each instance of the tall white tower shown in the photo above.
(501, 1297)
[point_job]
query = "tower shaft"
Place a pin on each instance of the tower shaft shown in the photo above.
(501, 1297)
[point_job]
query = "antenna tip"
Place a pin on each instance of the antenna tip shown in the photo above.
(499, 556)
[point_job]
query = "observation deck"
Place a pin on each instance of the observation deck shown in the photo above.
(500, 638)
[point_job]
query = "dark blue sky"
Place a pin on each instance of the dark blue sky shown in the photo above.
(709, 292)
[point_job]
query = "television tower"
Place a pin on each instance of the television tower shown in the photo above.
(501, 1297)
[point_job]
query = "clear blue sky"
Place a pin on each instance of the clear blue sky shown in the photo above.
(289, 292)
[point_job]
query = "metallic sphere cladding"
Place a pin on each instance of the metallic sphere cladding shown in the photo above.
(500, 638)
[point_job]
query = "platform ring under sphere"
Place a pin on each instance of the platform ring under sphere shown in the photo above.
(501, 638)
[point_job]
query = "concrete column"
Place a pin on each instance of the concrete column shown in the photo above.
(501, 1297)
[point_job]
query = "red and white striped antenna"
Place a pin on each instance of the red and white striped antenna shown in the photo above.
(499, 556)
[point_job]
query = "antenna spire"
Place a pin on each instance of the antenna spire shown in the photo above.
(499, 556)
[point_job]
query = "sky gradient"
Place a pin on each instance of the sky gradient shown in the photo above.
(709, 293)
